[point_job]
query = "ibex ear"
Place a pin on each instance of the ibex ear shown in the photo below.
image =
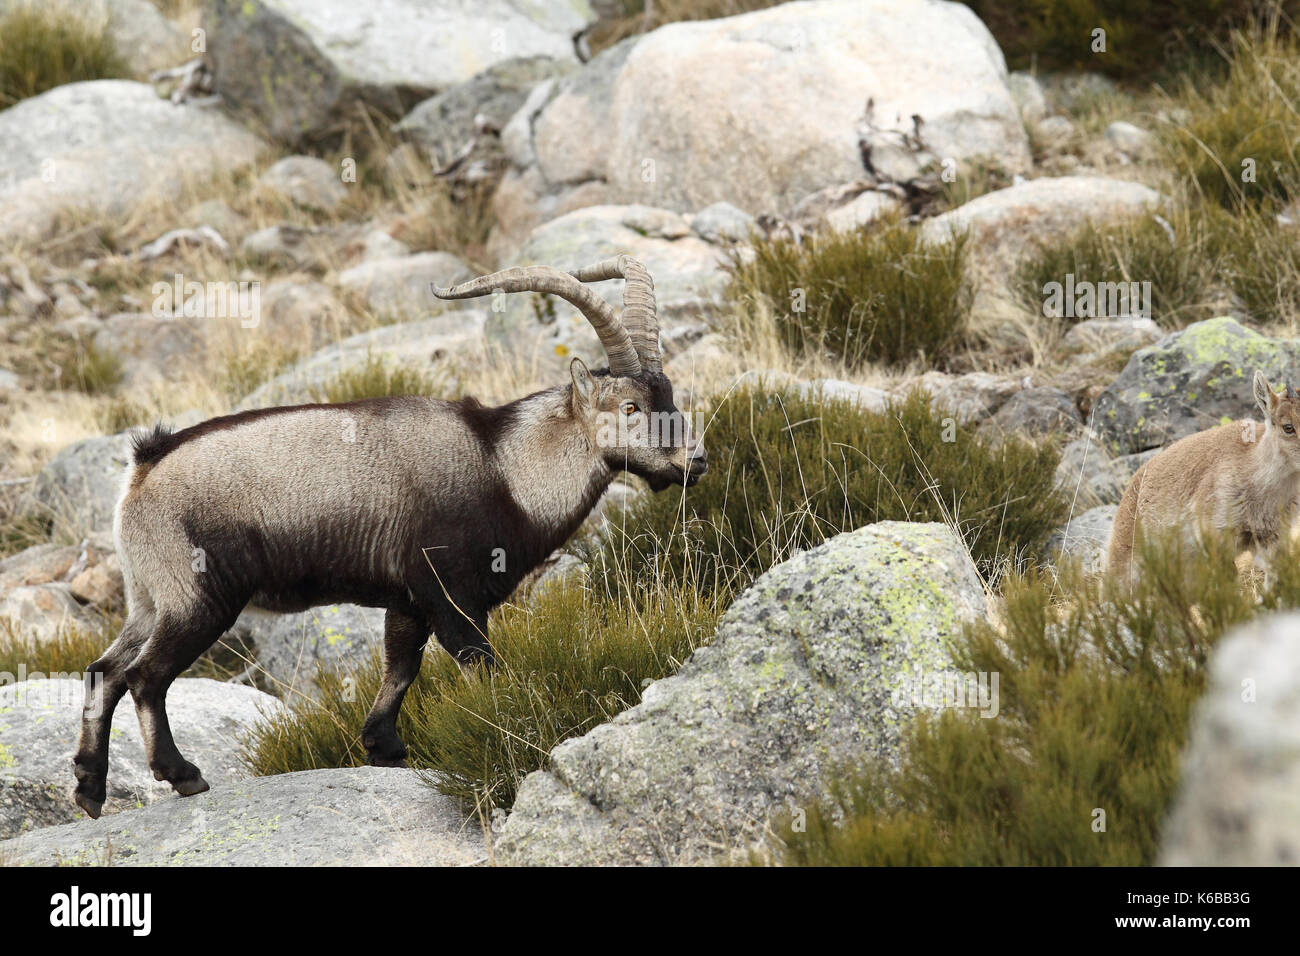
(584, 386)
(1265, 397)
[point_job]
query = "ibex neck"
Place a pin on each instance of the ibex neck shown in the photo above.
(548, 461)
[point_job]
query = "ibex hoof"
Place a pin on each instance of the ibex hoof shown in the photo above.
(188, 788)
(92, 806)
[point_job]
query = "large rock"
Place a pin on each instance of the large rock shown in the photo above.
(103, 148)
(397, 288)
(1005, 223)
(291, 649)
(1084, 538)
(302, 67)
(430, 347)
(809, 669)
(42, 612)
(686, 270)
(80, 486)
(761, 109)
(1239, 800)
(442, 124)
(40, 721)
(363, 816)
(153, 349)
(1088, 476)
(1189, 381)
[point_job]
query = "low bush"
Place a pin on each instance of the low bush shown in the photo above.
(44, 45)
(877, 294)
(789, 471)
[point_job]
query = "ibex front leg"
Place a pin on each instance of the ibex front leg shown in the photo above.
(404, 640)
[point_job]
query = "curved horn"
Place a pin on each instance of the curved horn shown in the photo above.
(613, 336)
(640, 314)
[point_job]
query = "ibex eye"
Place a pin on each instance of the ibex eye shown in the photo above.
(629, 408)
(1289, 428)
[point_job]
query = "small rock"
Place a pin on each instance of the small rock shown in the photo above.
(862, 211)
(1130, 139)
(1108, 336)
(722, 223)
(42, 612)
(1028, 94)
(306, 181)
(1054, 130)
(1236, 802)
(1084, 538)
(285, 245)
(398, 288)
(1034, 412)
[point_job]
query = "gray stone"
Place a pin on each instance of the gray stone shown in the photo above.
(862, 210)
(832, 389)
(442, 124)
(302, 67)
(153, 349)
(104, 148)
(1238, 802)
(1108, 336)
(1033, 413)
(287, 246)
(810, 668)
(1029, 96)
(972, 397)
(1087, 474)
(1004, 223)
(398, 288)
(361, 816)
(429, 347)
(306, 181)
(40, 720)
(1130, 139)
(1190, 380)
(687, 273)
(291, 649)
(1083, 538)
(42, 612)
(722, 222)
(81, 484)
(1054, 130)
(670, 119)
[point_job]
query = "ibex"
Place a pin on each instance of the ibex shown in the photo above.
(1239, 478)
(433, 510)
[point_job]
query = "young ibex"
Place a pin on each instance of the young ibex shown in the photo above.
(1238, 478)
(433, 510)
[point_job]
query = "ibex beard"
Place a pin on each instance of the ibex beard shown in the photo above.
(1239, 479)
(432, 510)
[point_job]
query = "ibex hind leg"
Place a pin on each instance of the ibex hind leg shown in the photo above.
(105, 687)
(176, 643)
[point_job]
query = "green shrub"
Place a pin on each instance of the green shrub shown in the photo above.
(1143, 37)
(1262, 265)
(71, 649)
(565, 664)
(244, 371)
(1249, 117)
(877, 294)
(788, 472)
(1180, 256)
(1097, 686)
(378, 379)
(44, 45)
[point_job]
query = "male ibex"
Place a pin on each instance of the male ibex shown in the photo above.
(433, 510)
(1238, 478)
